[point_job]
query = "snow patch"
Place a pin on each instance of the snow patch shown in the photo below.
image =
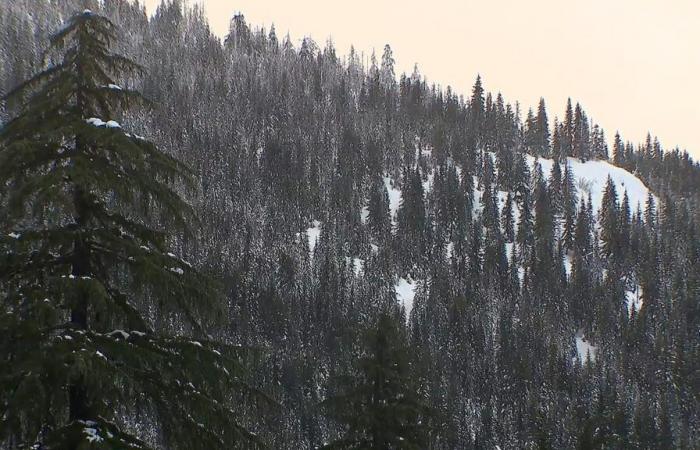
(633, 298)
(405, 292)
(121, 333)
(567, 266)
(313, 234)
(428, 183)
(509, 250)
(357, 264)
(177, 270)
(394, 196)
(14, 235)
(584, 348)
(92, 435)
(364, 215)
(592, 176)
(95, 122)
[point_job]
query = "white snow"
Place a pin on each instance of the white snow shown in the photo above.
(567, 266)
(100, 123)
(115, 333)
(374, 248)
(428, 183)
(92, 435)
(357, 264)
(584, 348)
(450, 249)
(313, 233)
(633, 299)
(394, 196)
(405, 291)
(95, 121)
(509, 250)
(177, 270)
(364, 214)
(14, 235)
(592, 176)
(114, 86)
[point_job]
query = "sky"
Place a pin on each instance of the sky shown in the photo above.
(634, 65)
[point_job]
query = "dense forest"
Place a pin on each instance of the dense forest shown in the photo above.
(247, 243)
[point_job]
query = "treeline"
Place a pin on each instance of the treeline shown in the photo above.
(513, 266)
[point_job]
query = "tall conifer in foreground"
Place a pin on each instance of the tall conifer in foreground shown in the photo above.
(379, 406)
(81, 264)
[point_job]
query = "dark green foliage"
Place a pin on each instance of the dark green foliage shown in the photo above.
(85, 269)
(282, 136)
(379, 406)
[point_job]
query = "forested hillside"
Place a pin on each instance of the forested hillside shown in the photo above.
(385, 263)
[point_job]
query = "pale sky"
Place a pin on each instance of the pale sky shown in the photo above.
(634, 65)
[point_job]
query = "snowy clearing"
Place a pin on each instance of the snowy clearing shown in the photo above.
(394, 197)
(592, 176)
(313, 234)
(584, 348)
(405, 291)
(633, 298)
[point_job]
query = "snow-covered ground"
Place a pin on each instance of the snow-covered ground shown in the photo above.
(394, 197)
(313, 234)
(584, 348)
(592, 176)
(633, 299)
(358, 265)
(405, 291)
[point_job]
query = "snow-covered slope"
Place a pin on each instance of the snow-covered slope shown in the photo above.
(405, 291)
(592, 176)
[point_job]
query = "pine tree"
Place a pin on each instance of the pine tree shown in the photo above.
(507, 219)
(379, 219)
(542, 135)
(567, 143)
(477, 112)
(387, 77)
(85, 262)
(569, 207)
(618, 151)
(609, 215)
(379, 405)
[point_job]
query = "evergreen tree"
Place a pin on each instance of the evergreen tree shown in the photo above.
(379, 405)
(379, 219)
(85, 264)
(567, 135)
(542, 134)
(618, 151)
(569, 207)
(609, 216)
(477, 111)
(507, 219)
(387, 77)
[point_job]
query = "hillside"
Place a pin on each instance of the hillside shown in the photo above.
(523, 280)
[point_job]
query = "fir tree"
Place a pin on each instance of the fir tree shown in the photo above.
(84, 263)
(542, 133)
(379, 406)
